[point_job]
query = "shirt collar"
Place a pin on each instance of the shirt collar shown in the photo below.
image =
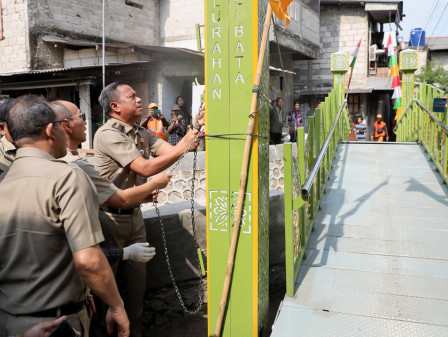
(127, 127)
(73, 152)
(33, 152)
(7, 144)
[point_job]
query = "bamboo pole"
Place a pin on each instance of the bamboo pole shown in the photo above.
(243, 177)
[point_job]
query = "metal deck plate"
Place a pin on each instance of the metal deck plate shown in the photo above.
(296, 321)
(377, 260)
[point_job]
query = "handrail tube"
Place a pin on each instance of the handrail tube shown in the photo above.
(415, 100)
(438, 121)
(316, 167)
(406, 111)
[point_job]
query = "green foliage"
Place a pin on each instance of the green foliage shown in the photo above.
(434, 74)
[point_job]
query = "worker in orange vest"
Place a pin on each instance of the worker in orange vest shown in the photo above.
(155, 122)
(380, 130)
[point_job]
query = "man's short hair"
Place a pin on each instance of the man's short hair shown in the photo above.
(109, 94)
(62, 112)
(278, 98)
(5, 105)
(26, 112)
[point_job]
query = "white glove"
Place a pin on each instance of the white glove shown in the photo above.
(140, 252)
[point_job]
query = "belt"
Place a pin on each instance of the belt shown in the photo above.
(67, 309)
(114, 210)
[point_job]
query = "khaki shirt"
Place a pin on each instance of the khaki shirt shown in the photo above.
(117, 145)
(7, 154)
(105, 189)
(48, 210)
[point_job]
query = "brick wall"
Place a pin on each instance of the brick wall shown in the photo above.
(14, 48)
(341, 27)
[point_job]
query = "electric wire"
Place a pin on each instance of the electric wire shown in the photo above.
(440, 18)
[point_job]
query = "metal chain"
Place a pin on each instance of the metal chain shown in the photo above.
(183, 154)
(193, 225)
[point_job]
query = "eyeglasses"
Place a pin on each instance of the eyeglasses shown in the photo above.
(81, 115)
(53, 122)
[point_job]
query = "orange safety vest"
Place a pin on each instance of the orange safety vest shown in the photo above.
(155, 126)
(380, 125)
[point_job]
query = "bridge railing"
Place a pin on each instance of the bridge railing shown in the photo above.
(420, 124)
(306, 174)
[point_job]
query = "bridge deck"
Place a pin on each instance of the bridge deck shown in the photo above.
(377, 261)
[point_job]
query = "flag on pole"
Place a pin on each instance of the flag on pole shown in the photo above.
(396, 84)
(352, 65)
(390, 47)
(280, 9)
(355, 54)
(397, 97)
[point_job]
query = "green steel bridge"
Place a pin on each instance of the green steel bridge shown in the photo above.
(366, 226)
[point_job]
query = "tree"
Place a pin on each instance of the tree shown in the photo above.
(434, 74)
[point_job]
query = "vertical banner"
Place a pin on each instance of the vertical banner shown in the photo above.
(231, 55)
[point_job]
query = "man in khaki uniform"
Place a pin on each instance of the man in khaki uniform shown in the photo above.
(49, 231)
(108, 193)
(7, 148)
(122, 155)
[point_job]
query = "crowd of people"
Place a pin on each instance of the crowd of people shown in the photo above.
(71, 231)
(296, 119)
(172, 128)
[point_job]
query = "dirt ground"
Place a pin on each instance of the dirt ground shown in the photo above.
(188, 326)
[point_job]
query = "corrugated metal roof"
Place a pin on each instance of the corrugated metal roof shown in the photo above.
(364, 90)
(56, 70)
(313, 91)
(28, 71)
(279, 70)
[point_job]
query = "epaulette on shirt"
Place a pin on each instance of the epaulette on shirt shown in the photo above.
(118, 127)
(139, 127)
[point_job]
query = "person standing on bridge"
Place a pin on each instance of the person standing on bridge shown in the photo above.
(295, 121)
(380, 130)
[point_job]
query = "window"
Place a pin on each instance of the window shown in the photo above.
(134, 4)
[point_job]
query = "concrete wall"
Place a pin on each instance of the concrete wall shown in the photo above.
(178, 23)
(439, 57)
(83, 20)
(341, 27)
(123, 22)
(14, 48)
(181, 242)
(171, 78)
(92, 57)
(302, 34)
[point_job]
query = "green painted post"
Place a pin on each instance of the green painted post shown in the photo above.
(198, 38)
(318, 125)
(408, 65)
(301, 161)
(232, 38)
(288, 204)
(311, 141)
(339, 68)
(422, 98)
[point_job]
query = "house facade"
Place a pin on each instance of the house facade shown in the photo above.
(342, 24)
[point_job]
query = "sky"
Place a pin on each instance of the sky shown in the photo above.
(417, 14)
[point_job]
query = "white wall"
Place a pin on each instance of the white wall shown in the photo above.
(14, 49)
(178, 19)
